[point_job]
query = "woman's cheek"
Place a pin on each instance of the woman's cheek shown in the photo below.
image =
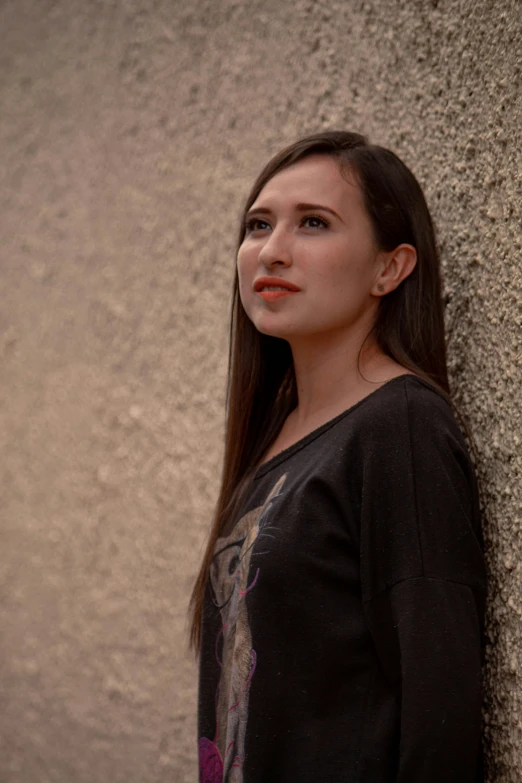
(246, 294)
(243, 295)
(242, 274)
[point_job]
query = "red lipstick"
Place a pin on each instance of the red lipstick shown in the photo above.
(268, 288)
(271, 296)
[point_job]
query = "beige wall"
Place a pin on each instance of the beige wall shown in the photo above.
(129, 134)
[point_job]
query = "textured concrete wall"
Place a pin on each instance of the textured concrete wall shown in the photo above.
(129, 134)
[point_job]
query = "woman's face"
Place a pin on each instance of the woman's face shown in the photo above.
(309, 228)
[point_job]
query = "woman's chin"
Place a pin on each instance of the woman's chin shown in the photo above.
(272, 331)
(272, 327)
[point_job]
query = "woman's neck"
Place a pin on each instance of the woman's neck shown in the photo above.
(330, 379)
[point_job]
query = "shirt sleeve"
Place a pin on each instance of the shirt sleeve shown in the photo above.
(423, 582)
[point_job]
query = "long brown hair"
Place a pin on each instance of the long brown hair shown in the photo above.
(409, 324)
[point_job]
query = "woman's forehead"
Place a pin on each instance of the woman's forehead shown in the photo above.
(315, 179)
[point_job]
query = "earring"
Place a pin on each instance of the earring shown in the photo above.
(380, 287)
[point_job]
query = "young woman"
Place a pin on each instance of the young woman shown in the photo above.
(339, 609)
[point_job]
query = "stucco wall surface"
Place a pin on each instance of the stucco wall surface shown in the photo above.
(130, 133)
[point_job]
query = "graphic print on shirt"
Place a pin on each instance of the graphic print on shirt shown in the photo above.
(221, 759)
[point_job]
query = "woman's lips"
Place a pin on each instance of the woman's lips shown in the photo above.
(271, 296)
(274, 282)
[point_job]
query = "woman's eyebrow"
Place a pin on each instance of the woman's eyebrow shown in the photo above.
(299, 208)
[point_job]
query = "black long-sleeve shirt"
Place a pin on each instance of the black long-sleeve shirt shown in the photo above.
(343, 621)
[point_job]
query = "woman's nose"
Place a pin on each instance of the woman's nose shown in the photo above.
(276, 250)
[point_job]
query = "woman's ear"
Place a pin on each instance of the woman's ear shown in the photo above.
(394, 267)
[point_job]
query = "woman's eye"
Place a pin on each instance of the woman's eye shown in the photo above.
(255, 224)
(318, 220)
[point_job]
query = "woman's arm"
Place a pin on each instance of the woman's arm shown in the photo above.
(427, 635)
(423, 581)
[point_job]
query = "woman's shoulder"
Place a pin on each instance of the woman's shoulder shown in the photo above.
(408, 391)
(408, 406)
(411, 429)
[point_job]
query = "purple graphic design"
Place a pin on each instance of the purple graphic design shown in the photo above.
(210, 763)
